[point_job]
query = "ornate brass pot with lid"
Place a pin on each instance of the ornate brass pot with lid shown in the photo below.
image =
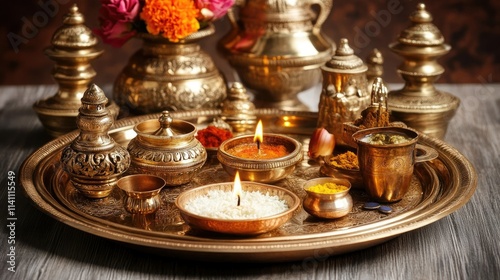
(277, 48)
(166, 148)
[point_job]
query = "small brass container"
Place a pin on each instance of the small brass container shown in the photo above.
(328, 206)
(237, 109)
(261, 170)
(142, 193)
(166, 148)
(387, 169)
(234, 226)
(94, 161)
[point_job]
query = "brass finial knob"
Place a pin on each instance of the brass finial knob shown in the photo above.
(93, 160)
(421, 31)
(165, 121)
(345, 60)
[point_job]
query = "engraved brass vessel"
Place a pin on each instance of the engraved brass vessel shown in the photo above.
(237, 109)
(277, 48)
(166, 148)
(419, 104)
(73, 47)
(94, 161)
(175, 76)
(345, 90)
(142, 193)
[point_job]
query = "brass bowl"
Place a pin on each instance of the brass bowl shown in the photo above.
(352, 175)
(261, 170)
(142, 192)
(328, 206)
(234, 226)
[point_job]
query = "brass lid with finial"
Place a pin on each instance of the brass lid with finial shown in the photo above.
(344, 60)
(73, 33)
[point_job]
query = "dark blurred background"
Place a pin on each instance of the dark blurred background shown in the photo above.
(472, 28)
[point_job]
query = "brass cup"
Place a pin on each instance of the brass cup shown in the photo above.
(142, 193)
(261, 170)
(328, 206)
(387, 170)
(234, 226)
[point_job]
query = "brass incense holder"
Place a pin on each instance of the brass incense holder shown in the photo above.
(233, 226)
(261, 170)
(166, 148)
(73, 47)
(277, 48)
(419, 104)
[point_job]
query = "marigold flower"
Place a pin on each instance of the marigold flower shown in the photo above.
(173, 19)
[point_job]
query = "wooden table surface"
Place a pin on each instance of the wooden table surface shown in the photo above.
(463, 245)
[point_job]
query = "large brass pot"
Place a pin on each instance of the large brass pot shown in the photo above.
(277, 48)
(175, 76)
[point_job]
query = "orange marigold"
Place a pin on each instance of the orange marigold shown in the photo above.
(174, 19)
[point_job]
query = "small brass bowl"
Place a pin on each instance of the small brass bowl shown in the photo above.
(327, 206)
(351, 175)
(142, 193)
(261, 170)
(235, 226)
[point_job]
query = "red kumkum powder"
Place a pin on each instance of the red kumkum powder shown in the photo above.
(250, 151)
(212, 136)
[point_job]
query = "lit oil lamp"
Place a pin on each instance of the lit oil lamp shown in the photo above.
(241, 208)
(262, 157)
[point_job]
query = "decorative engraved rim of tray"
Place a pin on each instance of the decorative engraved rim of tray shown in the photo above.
(439, 188)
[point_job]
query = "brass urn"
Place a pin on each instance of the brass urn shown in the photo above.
(277, 48)
(419, 104)
(73, 47)
(94, 161)
(166, 148)
(237, 109)
(170, 75)
(345, 90)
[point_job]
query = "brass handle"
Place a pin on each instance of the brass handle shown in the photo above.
(325, 8)
(428, 153)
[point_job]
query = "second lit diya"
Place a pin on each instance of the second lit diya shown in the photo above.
(242, 208)
(261, 157)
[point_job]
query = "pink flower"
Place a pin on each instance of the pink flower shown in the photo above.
(116, 18)
(217, 7)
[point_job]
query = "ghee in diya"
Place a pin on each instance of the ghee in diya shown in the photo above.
(252, 151)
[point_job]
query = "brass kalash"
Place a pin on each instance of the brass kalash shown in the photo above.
(277, 48)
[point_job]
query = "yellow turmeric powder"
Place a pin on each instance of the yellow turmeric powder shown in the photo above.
(327, 188)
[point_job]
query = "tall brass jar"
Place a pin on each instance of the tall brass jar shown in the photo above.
(277, 48)
(175, 76)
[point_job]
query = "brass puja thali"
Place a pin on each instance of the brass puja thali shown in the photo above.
(438, 188)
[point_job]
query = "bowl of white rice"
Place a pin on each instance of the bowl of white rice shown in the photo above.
(216, 208)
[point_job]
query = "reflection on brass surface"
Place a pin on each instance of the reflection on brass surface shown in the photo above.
(73, 47)
(261, 170)
(238, 227)
(387, 169)
(93, 160)
(345, 90)
(167, 148)
(237, 109)
(277, 48)
(175, 76)
(438, 188)
(419, 104)
(328, 206)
